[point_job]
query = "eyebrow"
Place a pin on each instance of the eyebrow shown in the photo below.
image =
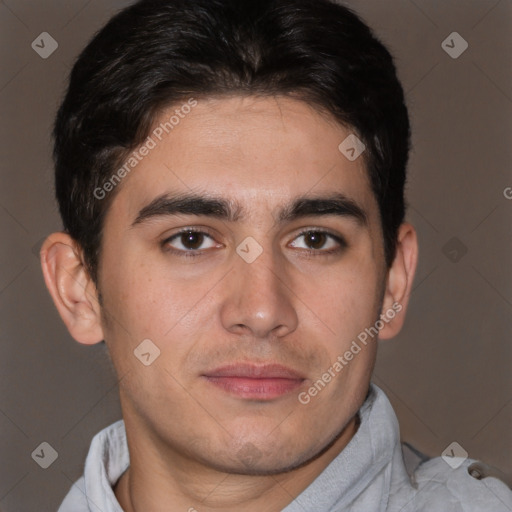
(232, 211)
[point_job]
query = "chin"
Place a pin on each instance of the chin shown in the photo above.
(264, 460)
(260, 467)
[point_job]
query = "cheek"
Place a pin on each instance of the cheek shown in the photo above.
(351, 306)
(151, 302)
(351, 300)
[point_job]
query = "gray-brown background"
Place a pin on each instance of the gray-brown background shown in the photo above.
(447, 374)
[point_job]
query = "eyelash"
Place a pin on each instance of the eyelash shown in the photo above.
(310, 252)
(185, 254)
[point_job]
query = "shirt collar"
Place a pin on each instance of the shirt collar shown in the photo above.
(362, 473)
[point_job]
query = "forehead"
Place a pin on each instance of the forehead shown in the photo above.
(258, 151)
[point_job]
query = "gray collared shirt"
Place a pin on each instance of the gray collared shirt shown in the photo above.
(369, 475)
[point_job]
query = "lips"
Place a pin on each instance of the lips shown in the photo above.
(258, 382)
(266, 371)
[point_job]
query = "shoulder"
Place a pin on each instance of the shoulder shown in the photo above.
(106, 460)
(468, 487)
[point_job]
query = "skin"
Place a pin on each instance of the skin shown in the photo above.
(187, 437)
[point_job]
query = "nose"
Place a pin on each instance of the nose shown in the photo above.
(258, 300)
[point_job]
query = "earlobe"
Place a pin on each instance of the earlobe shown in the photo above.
(71, 288)
(399, 281)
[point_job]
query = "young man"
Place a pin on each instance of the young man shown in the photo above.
(230, 176)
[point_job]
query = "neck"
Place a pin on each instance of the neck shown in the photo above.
(151, 484)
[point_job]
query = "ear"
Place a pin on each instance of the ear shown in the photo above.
(71, 288)
(399, 282)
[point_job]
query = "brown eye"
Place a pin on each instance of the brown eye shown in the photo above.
(189, 240)
(315, 239)
(192, 240)
(320, 241)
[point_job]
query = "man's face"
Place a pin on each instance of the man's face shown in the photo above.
(242, 333)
